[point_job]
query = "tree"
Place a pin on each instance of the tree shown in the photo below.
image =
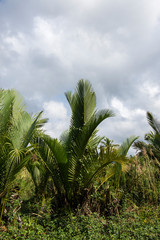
(17, 128)
(152, 145)
(73, 162)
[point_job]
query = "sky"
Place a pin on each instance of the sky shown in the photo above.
(46, 46)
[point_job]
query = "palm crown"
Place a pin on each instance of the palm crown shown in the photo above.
(73, 162)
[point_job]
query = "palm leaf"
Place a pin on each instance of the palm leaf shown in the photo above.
(82, 140)
(29, 133)
(6, 107)
(125, 146)
(88, 130)
(47, 158)
(82, 104)
(60, 157)
(153, 123)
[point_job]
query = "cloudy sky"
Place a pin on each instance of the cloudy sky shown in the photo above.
(46, 46)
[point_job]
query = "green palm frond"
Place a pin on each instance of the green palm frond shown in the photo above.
(153, 123)
(6, 107)
(88, 129)
(94, 140)
(156, 141)
(113, 161)
(152, 147)
(19, 129)
(16, 128)
(30, 131)
(74, 161)
(100, 169)
(65, 140)
(15, 165)
(46, 154)
(40, 123)
(139, 145)
(60, 157)
(125, 146)
(79, 146)
(82, 103)
(109, 171)
(39, 173)
(56, 148)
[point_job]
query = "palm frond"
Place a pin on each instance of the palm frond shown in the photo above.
(94, 140)
(82, 103)
(153, 123)
(110, 170)
(60, 157)
(6, 107)
(79, 146)
(88, 130)
(139, 145)
(29, 133)
(125, 146)
(48, 161)
(108, 162)
(56, 148)
(14, 168)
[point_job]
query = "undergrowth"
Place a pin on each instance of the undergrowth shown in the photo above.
(131, 223)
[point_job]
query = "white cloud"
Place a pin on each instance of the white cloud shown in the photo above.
(16, 43)
(55, 110)
(58, 118)
(150, 89)
(125, 112)
(47, 46)
(47, 36)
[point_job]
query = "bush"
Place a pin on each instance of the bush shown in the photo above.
(134, 223)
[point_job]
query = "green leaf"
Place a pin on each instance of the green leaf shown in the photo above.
(125, 146)
(29, 133)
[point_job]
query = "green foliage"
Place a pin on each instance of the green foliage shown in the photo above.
(102, 193)
(74, 162)
(17, 128)
(152, 147)
(133, 223)
(141, 224)
(70, 162)
(141, 181)
(25, 185)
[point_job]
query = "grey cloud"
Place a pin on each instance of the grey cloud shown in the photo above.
(47, 46)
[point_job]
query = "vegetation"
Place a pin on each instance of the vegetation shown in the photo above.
(82, 186)
(17, 128)
(74, 162)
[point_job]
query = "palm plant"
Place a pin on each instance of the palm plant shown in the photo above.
(113, 160)
(73, 162)
(39, 174)
(152, 144)
(17, 128)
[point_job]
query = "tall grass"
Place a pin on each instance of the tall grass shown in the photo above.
(141, 182)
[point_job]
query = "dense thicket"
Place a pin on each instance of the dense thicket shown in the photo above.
(81, 173)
